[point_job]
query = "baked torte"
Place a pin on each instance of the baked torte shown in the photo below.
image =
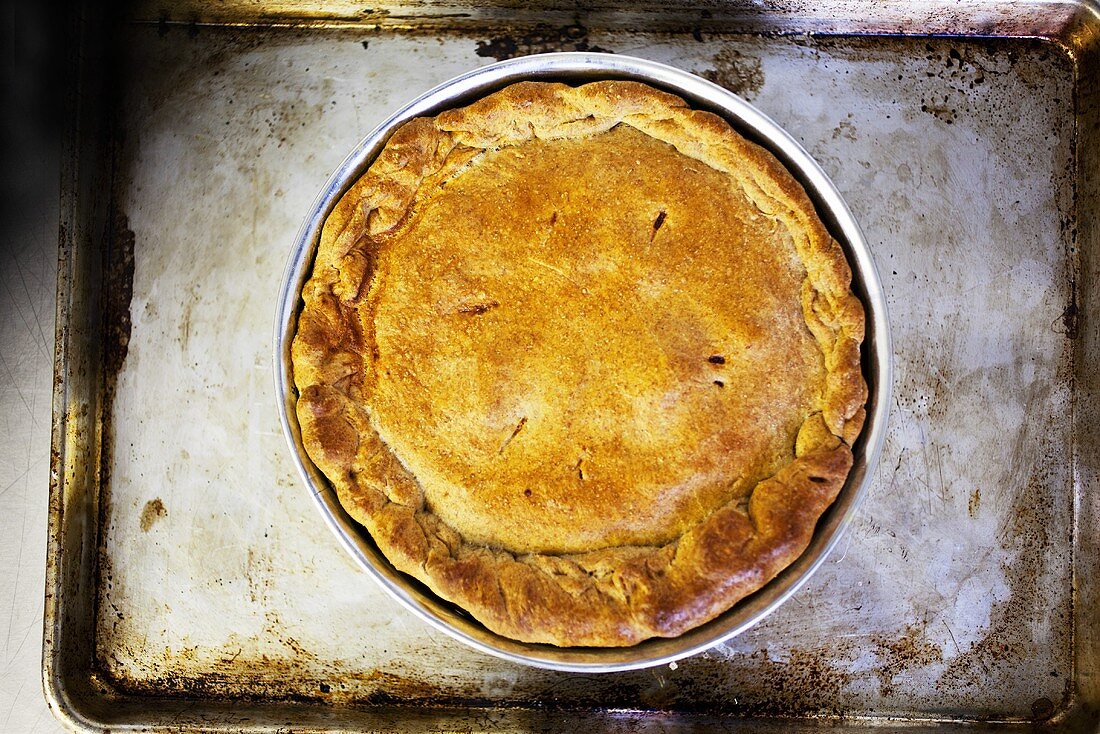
(583, 360)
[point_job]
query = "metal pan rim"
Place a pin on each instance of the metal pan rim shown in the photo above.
(878, 365)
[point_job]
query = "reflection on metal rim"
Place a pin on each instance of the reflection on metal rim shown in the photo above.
(577, 68)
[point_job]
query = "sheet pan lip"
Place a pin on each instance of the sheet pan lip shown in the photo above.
(743, 115)
(55, 688)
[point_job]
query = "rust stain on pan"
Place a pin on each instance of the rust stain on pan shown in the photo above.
(1070, 319)
(539, 40)
(897, 655)
(806, 684)
(153, 511)
(118, 290)
(803, 683)
(298, 677)
(117, 293)
(741, 74)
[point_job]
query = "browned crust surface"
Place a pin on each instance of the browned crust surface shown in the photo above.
(606, 596)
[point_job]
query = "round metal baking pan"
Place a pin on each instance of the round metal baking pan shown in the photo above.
(577, 68)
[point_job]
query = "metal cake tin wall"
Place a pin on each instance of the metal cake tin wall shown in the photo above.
(190, 583)
(577, 68)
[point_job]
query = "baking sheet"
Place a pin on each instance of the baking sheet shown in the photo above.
(952, 597)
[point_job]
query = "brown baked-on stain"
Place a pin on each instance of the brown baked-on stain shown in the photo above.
(1070, 318)
(742, 75)
(154, 510)
(541, 39)
(288, 680)
(896, 655)
(807, 683)
(975, 502)
(117, 293)
(1042, 709)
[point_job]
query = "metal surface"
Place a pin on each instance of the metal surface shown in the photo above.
(28, 273)
(191, 583)
(578, 67)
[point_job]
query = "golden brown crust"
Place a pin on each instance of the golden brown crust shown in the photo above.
(618, 594)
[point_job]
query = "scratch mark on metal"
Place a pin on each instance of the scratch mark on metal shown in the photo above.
(9, 297)
(15, 583)
(939, 468)
(34, 312)
(14, 655)
(958, 652)
(6, 489)
(11, 381)
(847, 547)
(7, 719)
